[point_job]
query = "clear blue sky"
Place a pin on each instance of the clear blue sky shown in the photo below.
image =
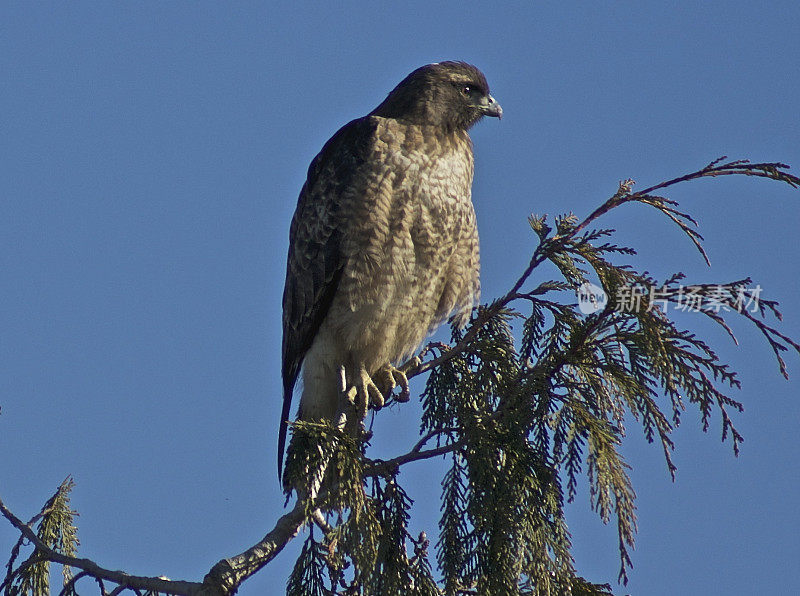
(151, 154)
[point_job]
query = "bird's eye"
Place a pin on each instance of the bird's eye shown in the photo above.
(466, 89)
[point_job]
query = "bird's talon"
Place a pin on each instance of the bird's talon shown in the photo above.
(395, 377)
(405, 392)
(375, 396)
(365, 393)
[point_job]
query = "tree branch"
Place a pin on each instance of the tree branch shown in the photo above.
(227, 575)
(622, 196)
(154, 584)
(437, 431)
(382, 467)
(737, 167)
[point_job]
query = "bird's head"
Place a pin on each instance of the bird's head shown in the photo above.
(453, 95)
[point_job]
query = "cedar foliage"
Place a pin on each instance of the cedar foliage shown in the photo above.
(526, 417)
(56, 529)
(532, 395)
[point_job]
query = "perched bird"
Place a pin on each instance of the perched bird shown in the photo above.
(383, 246)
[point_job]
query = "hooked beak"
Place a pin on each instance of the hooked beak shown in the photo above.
(490, 107)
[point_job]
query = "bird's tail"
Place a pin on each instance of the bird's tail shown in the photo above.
(283, 428)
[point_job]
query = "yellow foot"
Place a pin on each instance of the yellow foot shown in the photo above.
(364, 393)
(397, 377)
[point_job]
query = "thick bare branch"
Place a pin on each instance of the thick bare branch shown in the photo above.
(228, 574)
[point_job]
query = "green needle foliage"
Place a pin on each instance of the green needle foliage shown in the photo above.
(308, 577)
(57, 531)
(533, 395)
(526, 402)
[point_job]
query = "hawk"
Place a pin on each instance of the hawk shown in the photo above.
(383, 245)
